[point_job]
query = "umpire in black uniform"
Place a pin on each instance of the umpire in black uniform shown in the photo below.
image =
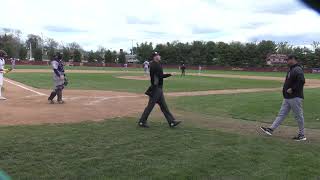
(155, 93)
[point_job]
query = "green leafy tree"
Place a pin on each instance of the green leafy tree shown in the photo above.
(122, 57)
(91, 57)
(77, 55)
(66, 54)
(108, 57)
(23, 52)
(37, 54)
(143, 51)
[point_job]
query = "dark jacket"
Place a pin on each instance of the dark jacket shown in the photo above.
(294, 80)
(156, 77)
(156, 74)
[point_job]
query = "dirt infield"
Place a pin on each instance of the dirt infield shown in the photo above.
(30, 106)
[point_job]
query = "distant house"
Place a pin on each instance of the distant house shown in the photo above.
(276, 59)
(131, 58)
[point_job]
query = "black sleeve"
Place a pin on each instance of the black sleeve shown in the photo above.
(300, 80)
(165, 75)
(56, 72)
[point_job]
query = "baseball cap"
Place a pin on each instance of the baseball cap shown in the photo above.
(154, 54)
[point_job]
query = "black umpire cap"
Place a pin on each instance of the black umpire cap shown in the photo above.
(154, 54)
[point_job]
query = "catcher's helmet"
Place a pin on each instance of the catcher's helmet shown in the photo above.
(58, 55)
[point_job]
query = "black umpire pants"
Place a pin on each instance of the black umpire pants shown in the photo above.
(157, 98)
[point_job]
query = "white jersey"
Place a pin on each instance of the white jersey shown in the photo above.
(2, 63)
(146, 64)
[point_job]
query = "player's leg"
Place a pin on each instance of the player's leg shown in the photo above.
(55, 90)
(59, 94)
(165, 110)
(52, 96)
(284, 111)
(296, 106)
(1, 84)
(152, 102)
(146, 113)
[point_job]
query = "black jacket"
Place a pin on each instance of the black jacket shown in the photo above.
(156, 74)
(156, 77)
(294, 80)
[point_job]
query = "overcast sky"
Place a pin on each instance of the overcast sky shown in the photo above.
(115, 23)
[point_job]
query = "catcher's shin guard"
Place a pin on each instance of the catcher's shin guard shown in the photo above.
(59, 94)
(52, 95)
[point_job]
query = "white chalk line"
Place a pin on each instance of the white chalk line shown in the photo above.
(23, 87)
(108, 98)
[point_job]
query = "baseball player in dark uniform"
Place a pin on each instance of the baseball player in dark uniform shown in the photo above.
(183, 70)
(58, 79)
(155, 93)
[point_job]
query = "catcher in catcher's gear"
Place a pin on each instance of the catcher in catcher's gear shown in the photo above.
(59, 79)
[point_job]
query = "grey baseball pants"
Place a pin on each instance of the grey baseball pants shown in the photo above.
(295, 105)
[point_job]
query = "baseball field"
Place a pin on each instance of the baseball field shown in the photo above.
(94, 135)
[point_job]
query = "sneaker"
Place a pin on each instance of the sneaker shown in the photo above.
(268, 131)
(174, 124)
(300, 138)
(61, 102)
(50, 101)
(143, 125)
(2, 98)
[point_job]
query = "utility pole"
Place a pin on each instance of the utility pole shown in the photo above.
(132, 48)
(30, 48)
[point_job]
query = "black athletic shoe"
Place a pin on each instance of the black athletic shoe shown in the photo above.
(268, 131)
(143, 125)
(174, 124)
(300, 138)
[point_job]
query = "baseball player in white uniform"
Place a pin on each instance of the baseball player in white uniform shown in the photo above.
(2, 71)
(146, 67)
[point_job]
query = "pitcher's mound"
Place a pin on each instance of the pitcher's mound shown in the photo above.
(144, 78)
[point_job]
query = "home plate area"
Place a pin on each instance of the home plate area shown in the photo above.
(27, 105)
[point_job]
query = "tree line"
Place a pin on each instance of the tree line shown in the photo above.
(237, 54)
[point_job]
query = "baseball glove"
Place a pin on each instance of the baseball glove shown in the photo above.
(5, 71)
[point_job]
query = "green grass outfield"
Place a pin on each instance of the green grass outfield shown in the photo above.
(262, 107)
(198, 149)
(275, 74)
(111, 82)
(117, 149)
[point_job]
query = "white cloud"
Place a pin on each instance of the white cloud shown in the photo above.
(114, 24)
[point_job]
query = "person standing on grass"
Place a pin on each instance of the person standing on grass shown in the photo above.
(13, 63)
(183, 70)
(146, 67)
(125, 67)
(156, 95)
(199, 69)
(293, 99)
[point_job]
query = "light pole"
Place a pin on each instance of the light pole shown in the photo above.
(30, 48)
